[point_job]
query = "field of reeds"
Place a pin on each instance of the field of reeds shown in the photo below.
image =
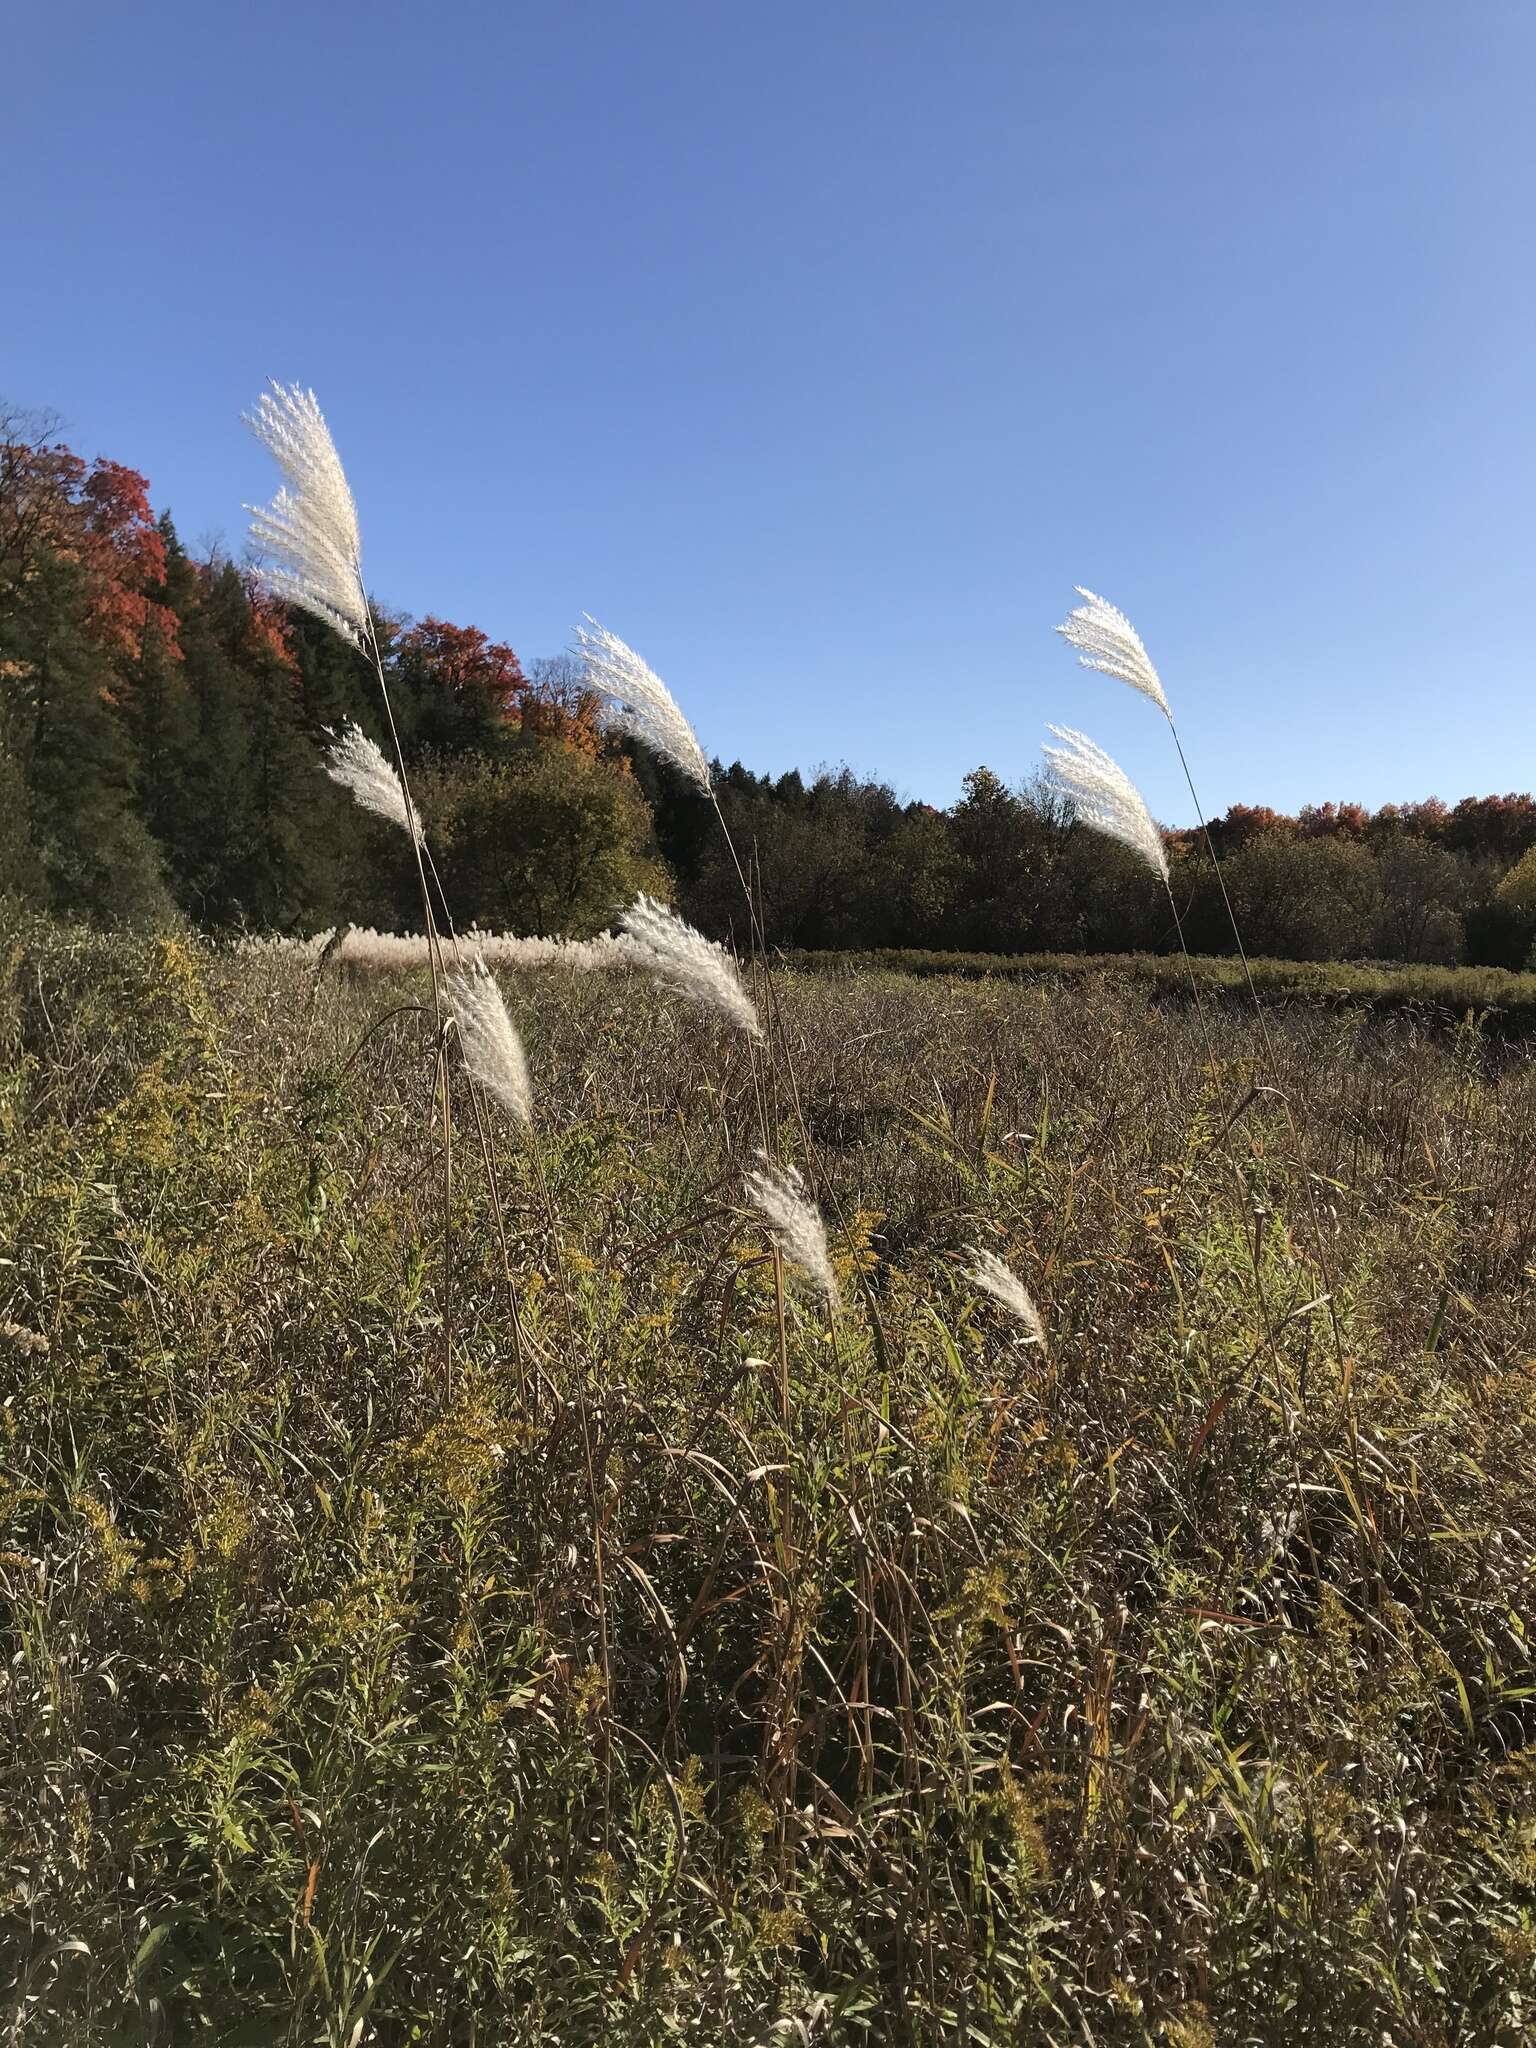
(534, 1616)
(1494, 998)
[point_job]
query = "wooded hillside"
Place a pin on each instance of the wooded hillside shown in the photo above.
(162, 727)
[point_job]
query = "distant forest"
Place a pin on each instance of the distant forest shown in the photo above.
(162, 726)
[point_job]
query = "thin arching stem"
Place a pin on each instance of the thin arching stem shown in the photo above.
(1189, 969)
(1308, 1195)
(434, 950)
(435, 962)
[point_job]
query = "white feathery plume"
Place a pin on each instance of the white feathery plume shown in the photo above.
(1106, 640)
(994, 1278)
(309, 532)
(684, 960)
(493, 1052)
(373, 952)
(1104, 796)
(362, 770)
(638, 702)
(794, 1221)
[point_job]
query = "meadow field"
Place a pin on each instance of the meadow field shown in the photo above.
(433, 1616)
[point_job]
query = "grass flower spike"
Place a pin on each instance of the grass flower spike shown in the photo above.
(684, 960)
(994, 1278)
(493, 1052)
(361, 769)
(1104, 796)
(778, 1194)
(1106, 640)
(639, 702)
(309, 533)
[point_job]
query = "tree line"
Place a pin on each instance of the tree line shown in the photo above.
(845, 864)
(162, 734)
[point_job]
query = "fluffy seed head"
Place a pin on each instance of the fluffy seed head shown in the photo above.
(683, 959)
(367, 951)
(493, 1052)
(638, 702)
(1104, 796)
(778, 1194)
(308, 535)
(362, 770)
(1106, 640)
(994, 1278)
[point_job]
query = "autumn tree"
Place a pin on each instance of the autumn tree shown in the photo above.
(1242, 823)
(1500, 827)
(455, 689)
(559, 705)
(79, 556)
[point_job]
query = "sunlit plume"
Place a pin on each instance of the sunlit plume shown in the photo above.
(307, 538)
(357, 765)
(684, 960)
(493, 1052)
(637, 702)
(794, 1222)
(1104, 797)
(1107, 641)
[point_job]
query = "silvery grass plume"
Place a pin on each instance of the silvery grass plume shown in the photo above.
(994, 1278)
(309, 533)
(1104, 796)
(794, 1221)
(1106, 640)
(683, 959)
(361, 769)
(493, 1052)
(639, 703)
(374, 952)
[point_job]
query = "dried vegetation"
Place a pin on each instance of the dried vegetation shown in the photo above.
(707, 1667)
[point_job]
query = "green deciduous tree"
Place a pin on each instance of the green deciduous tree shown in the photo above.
(549, 840)
(1425, 893)
(1313, 898)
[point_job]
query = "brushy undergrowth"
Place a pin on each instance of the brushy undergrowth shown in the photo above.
(1169, 1684)
(1498, 998)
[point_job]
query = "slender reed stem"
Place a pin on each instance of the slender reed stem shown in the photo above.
(435, 962)
(1324, 1261)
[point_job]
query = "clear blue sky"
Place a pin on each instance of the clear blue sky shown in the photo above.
(819, 349)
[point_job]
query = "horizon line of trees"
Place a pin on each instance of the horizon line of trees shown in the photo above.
(162, 733)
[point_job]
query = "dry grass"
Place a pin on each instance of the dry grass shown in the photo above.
(358, 949)
(1171, 1687)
